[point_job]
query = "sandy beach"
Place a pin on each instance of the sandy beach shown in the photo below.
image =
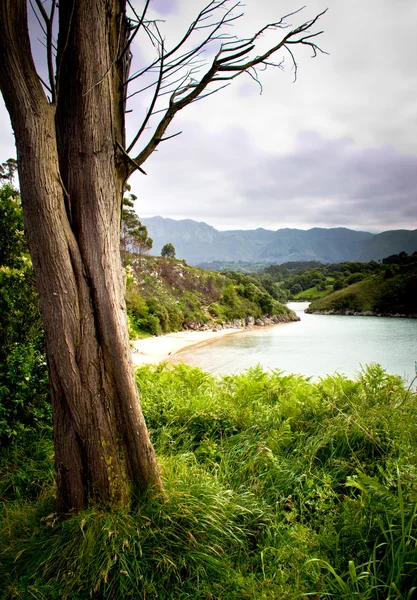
(161, 348)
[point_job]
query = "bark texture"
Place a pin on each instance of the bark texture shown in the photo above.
(71, 176)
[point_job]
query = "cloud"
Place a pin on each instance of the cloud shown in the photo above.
(338, 147)
(165, 7)
(228, 181)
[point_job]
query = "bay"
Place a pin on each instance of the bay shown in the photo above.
(315, 346)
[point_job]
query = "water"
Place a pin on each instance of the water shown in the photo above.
(316, 346)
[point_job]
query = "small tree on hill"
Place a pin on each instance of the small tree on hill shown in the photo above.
(168, 251)
(134, 238)
(8, 170)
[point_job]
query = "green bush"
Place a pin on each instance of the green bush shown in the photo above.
(355, 277)
(23, 372)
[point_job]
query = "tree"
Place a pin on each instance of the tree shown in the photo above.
(339, 284)
(73, 164)
(23, 376)
(134, 238)
(168, 251)
(8, 170)
(296, 289)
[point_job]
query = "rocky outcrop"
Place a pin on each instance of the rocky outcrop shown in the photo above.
(246, 323)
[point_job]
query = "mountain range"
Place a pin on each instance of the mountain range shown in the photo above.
(197, 242)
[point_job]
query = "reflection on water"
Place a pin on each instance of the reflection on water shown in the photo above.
(316, 346)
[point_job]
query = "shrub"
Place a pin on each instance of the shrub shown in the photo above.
(23, 372)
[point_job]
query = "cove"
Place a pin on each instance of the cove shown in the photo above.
(315, 346)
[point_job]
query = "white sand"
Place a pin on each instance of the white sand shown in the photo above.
(157, 349)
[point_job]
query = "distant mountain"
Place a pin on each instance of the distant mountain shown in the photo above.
(388, 243)
(198, 242)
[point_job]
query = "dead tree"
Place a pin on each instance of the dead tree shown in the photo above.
(73, 163)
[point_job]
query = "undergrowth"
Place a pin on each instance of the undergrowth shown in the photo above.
(275, 487)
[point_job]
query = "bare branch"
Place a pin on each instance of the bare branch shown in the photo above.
(41, 25)
(45, 84)
(136, 29)
(152, 106)
(169, 137)
(210, 93)
(130, 159)
(48, 20)
(234, 57)
(204, 14)
(293, 62)
(254, 75)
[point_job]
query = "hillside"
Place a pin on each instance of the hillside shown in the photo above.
(166, 295)
(201, 243)
(389, 242)
(392, 291)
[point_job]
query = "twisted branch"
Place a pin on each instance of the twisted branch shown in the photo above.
(234, 57)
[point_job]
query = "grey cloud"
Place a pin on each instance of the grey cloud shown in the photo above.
(165, 7)
(226, 178)
(337, 148)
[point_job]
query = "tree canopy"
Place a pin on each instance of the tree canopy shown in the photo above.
(168, 250)
(134, 236)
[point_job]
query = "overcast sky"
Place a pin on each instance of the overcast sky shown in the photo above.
(336, 148)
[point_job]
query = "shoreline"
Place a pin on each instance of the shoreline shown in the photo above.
(168, 347)
(352, 313)
(164, 348)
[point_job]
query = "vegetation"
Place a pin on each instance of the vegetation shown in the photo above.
(275, 487)
(23, 373)
(168, 251)
(385, 287)
(167, 295)
(388, 287)
(134, 238)
(311, 279)
(391, 289)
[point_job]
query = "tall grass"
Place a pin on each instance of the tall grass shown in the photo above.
(276, 487)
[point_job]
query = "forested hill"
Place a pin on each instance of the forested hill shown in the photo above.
(198, 243)
(390, 289)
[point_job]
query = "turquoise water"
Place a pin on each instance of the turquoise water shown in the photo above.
(315, 346)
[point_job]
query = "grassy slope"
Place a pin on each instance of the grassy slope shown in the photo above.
(397, 294)
(275, 488)
(359, 296)
(313, 293)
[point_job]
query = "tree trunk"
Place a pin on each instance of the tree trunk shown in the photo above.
(72, 179)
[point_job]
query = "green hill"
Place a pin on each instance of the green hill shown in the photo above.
(392, 291)
(164, 295)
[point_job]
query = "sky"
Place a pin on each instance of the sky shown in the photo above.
(336, 148)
